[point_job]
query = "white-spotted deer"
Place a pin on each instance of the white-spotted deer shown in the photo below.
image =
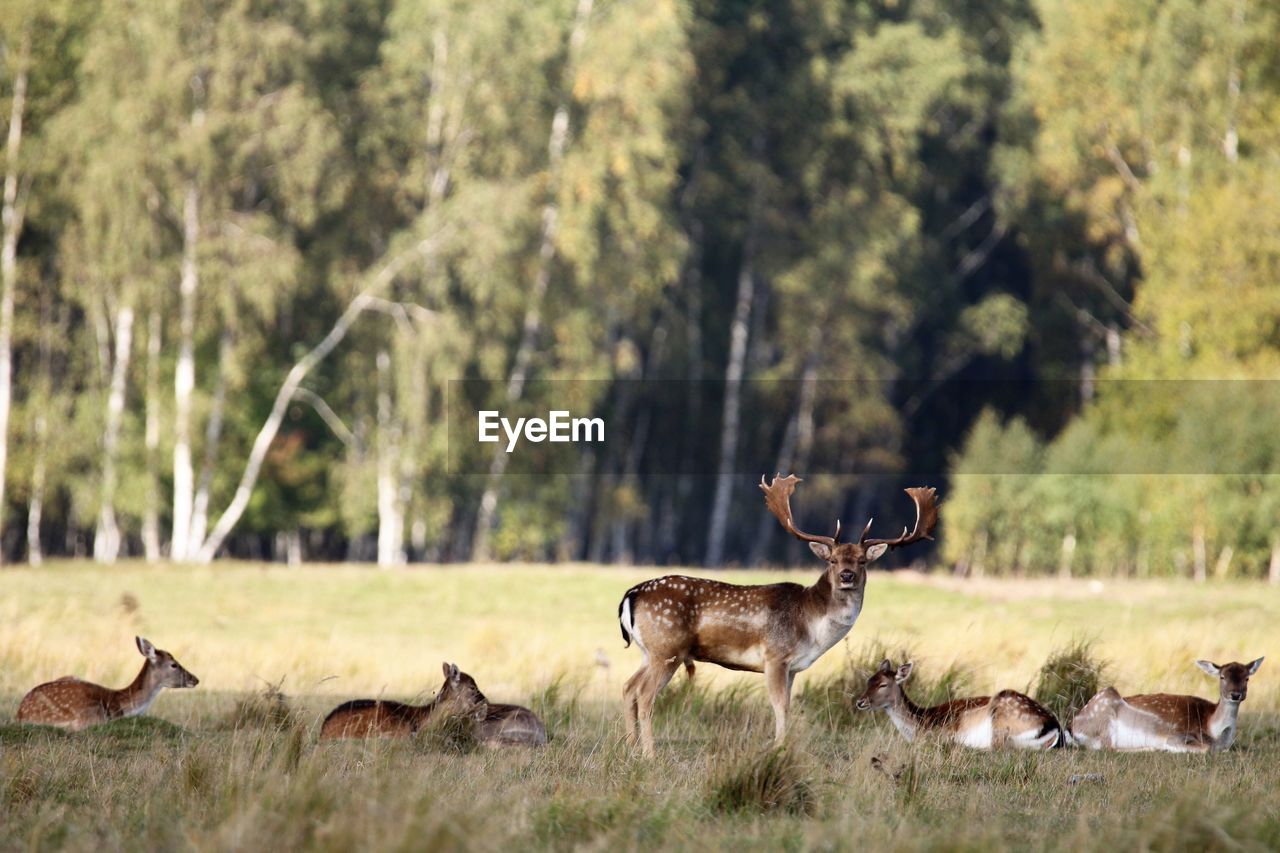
(70, 703)
(778, 629)
(496, 725)
(1008, 718)
(1162, 721)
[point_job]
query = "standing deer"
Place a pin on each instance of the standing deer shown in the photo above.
(1161, 721)
(778, 629)
(1008, 718)
(70, 703)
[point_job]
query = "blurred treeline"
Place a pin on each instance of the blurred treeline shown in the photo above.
(248, 242)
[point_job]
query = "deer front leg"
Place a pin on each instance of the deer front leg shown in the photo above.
(778, 678)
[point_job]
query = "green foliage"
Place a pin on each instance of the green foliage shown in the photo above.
(761, 781)
(1070, 678)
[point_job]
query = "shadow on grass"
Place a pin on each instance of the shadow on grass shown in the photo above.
(139, 732)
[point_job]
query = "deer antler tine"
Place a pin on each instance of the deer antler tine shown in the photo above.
(837, 536)
(866, 529)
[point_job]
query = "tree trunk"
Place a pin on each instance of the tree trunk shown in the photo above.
(541, 282)
(794, 455)
(106, 540)
(390, 516)
(11, 217)
(732, 406)
(1223, 565)
(1068, 554)
(184, 381)
(212, 435)
(35, 505)
(151, 516)
(1273, 572)
(358, 305)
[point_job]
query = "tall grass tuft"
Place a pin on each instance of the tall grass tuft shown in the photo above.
(1069, 679)
(449, 733)
(267, 709)
(775, 780)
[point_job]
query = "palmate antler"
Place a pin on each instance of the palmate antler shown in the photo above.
(777, 496)
(926, 501)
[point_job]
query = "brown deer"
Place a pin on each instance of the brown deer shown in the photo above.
(1008, 718)
(496, 725)
(70, 703)
(777, 629)
(1161, 721)
(458, 697)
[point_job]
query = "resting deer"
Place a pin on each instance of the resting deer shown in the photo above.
(70, 703)
(459, 697)
(1161, 721)
(777, 629)
(1008, 718)
(496, 725)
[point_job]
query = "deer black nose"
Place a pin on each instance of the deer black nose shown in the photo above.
(862, 704)
(846, 576)
(1236, 695)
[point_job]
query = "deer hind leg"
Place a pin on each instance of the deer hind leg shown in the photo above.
(630, 695)
(778, 679)
(655, 677)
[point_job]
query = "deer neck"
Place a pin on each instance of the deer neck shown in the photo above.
(838, 605)
(907, 716)
(138, 696)
(1221, 724)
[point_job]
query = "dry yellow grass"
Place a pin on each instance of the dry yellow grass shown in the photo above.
(221, 778)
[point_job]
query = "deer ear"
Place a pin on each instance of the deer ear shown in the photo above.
(875, 552)
(886, 666)
(147, 650)
(1253, 667)
(453, 672)
(1209, 668)
(822, 549)
(904, 672)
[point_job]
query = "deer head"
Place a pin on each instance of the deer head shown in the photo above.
(847, 561)
(460, 695)
(1233, 678)
(163, 667)
(883, 687)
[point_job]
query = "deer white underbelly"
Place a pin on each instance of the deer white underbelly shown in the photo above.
(978, 735)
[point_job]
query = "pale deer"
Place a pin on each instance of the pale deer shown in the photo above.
(1162, 721)
(1008, 718)
(459, 697)
(778, 629)
(71, 703)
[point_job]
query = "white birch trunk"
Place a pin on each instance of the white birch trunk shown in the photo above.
(212, 435)
(732, 405)
(35, 505)
(207, 550)
(151, 440)
(184, 381)
(106, 540)
(532, 325)
(1273, 571)
(11, 216)
(390, 517)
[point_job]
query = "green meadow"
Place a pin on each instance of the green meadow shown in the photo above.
(235, 763)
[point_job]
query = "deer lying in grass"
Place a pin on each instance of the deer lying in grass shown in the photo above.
(496, 725)
(1161, 721)
(778, 629)
(70, 703)
(1008, 718)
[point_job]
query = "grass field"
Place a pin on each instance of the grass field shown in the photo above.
(214, 768)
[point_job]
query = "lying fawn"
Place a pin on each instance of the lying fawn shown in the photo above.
(459, 697)
(74, 704)
(777, 629)
(1008, 718)
(1161, 721)
(496, 725)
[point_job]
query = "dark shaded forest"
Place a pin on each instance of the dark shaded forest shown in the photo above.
(249, 244)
